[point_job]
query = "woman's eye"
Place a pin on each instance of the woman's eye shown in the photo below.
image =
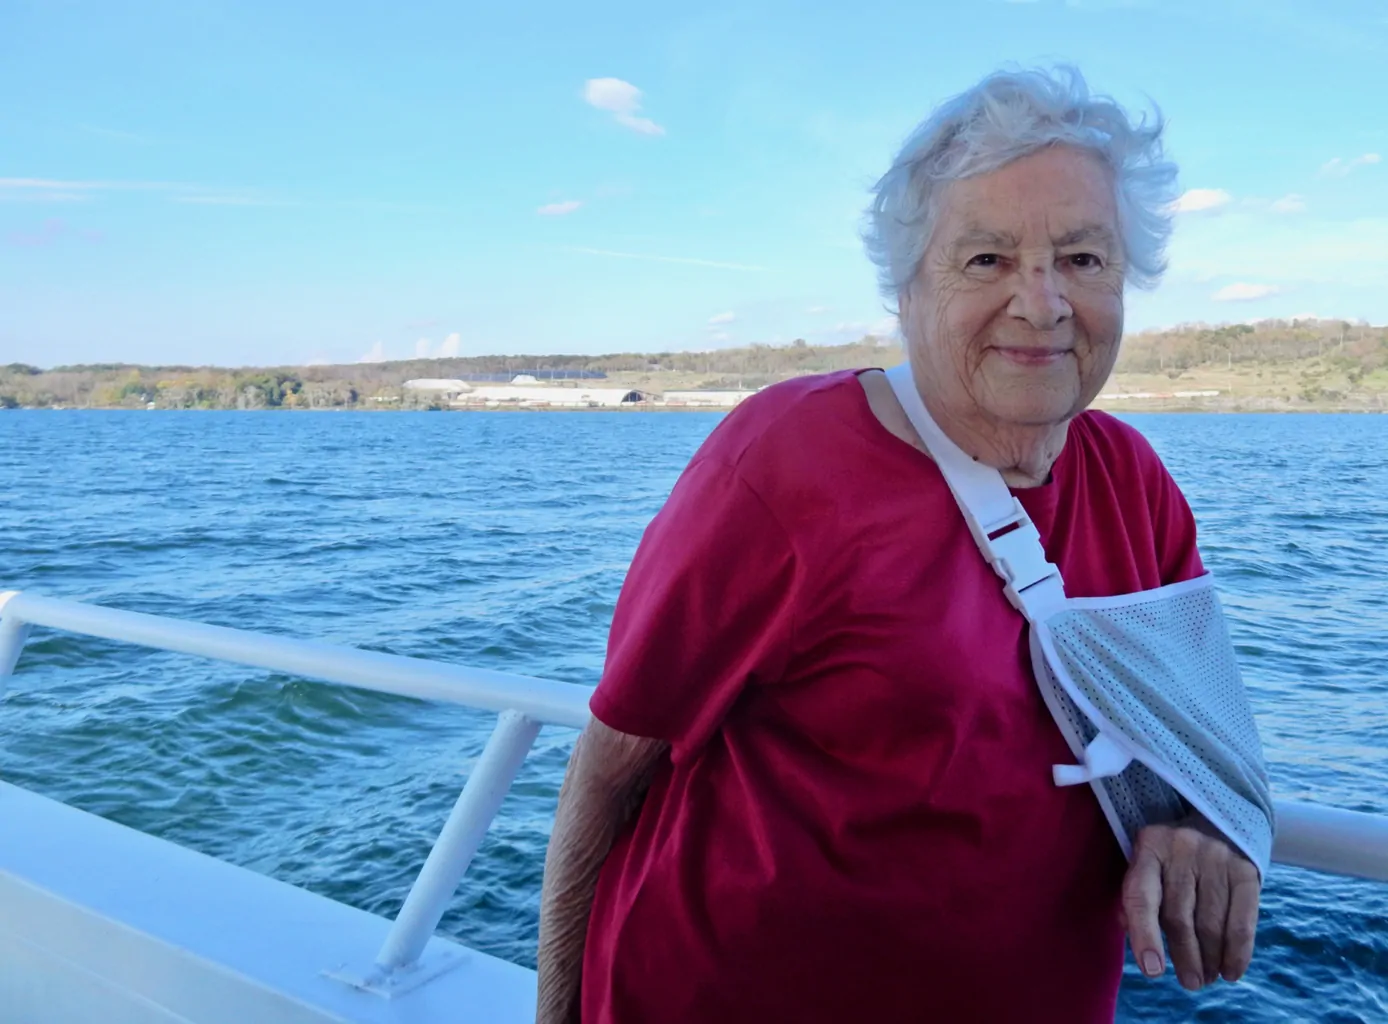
(986, 259)
(1085, 261)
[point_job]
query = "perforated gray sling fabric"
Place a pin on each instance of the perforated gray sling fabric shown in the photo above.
(1144, 687)
(1155, 671)
(1132, 799)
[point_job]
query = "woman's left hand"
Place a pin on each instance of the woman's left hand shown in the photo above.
(1187, 881)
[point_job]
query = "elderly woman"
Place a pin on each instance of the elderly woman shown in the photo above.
(818, 783)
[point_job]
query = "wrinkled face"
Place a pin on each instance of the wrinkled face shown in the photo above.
(1016, 312)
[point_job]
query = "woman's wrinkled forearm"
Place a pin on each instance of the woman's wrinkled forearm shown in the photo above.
(607, 772)
(577, 849)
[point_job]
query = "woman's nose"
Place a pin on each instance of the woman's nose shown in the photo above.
(1039, 297)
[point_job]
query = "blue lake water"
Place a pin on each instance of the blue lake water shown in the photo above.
(500, 540)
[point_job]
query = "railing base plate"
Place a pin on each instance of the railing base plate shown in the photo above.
(389, 983)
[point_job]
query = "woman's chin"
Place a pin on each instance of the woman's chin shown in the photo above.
(1035, 406)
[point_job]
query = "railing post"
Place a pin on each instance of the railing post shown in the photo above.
(462, 834)
(13, 633)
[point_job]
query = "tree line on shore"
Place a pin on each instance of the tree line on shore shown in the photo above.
(1357, 350)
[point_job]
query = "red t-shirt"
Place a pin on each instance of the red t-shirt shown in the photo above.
(857, 820)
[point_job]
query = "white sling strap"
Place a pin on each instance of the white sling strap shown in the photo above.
(1000, 526)
(1011, 544)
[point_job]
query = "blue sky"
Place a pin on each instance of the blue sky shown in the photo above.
(208, 181)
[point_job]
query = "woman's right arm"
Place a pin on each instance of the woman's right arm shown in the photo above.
(607, 775)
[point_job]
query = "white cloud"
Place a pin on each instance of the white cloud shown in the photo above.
(1302, 249)
(448, 348)
(559, 209)
(887, 325)
(46, 189)
(375, 354)
(1338, 168)
(622, 100)
(1289, 204)
(691, 261)
(227, 200)
(882, 328)
(44, 197)
(1198, 200)
(112, 133)
(819, 310)
(1244, 292)
(722, 318)
(65, 186)
(720, 336)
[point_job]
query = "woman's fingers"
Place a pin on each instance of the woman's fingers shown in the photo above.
(1241, 929)
(1212, 908)
(1142, 901)
(1180, 888)
(1192, 885)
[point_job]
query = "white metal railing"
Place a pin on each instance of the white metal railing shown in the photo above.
(523, 703)
(1308, 835)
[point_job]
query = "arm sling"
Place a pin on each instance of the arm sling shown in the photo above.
(1144, 687)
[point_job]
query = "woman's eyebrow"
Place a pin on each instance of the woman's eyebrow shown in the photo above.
(1003, 240)
(1086, 233)
(982, 236)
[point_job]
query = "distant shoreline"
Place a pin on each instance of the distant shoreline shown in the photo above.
(1303, 365)
(1222, 409)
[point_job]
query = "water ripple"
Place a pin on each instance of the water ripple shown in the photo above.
(501, 541)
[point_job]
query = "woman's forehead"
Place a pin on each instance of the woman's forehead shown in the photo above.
(1060, 231)
(1064, 204)
(1060, 177)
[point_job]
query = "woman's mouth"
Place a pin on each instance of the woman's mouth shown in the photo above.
(1031, 355)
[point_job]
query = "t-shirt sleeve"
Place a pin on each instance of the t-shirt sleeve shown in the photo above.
(707, 608)
(1173, 525)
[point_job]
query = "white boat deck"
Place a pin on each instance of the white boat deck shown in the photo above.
(102, 923)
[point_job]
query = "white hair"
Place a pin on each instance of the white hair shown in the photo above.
(1003, 118)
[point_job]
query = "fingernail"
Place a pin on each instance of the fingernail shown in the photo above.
(1151, 963)
(1191, 982)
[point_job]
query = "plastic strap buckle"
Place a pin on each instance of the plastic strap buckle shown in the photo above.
(1018, 557)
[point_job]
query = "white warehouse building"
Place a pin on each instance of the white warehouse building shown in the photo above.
(438, 385)
(711, 399)
(541, 395)
(525, 392)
